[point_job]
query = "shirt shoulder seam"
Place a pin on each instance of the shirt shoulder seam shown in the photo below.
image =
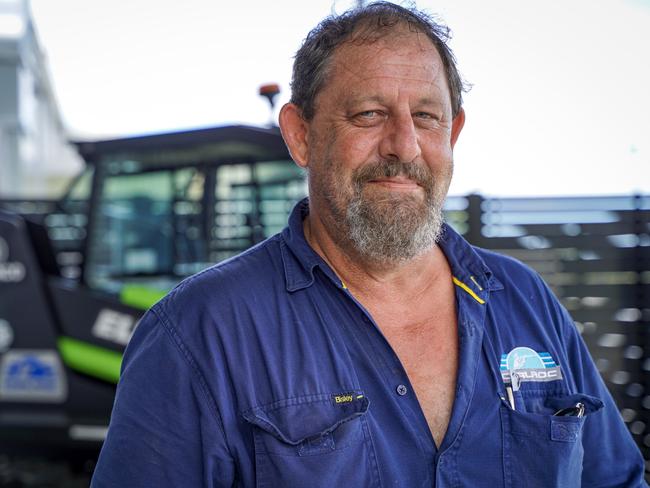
(225, 264)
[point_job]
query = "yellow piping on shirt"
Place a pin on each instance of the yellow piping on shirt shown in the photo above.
(457, 282)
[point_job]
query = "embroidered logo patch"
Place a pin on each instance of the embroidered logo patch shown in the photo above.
(346, 398)
(526, 364)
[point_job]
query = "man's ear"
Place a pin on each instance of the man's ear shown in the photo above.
(456, 126)
(294, 132)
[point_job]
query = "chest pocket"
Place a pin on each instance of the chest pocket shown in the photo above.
(542, 449)
(313, 441)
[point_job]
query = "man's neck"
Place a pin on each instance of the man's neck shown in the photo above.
(388, 279)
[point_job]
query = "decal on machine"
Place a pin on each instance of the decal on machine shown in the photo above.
(6, 335)
(32, 375)
(10, 272)
(114, 326)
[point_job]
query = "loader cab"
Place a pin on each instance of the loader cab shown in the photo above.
(165, 206)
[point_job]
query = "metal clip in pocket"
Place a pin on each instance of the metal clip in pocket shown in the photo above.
(515, 383)
(578, 410)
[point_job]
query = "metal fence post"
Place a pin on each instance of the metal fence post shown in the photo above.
(474, 223)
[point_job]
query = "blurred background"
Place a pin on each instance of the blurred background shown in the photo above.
(135, 150)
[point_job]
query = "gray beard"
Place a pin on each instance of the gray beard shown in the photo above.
(391, 230)
(385, 230)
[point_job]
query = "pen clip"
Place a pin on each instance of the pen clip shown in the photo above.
(511, 397)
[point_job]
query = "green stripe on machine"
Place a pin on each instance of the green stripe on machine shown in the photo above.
(140, 297)
(92, 360)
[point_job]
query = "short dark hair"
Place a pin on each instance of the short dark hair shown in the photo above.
(366, 23)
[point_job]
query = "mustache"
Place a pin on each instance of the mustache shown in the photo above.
(422, 175)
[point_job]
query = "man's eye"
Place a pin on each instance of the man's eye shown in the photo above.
(368, 118)
(425, 115)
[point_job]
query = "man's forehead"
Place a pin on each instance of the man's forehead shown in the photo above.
(411, 55)
(435, 98)
(388, 50)
(395, 39)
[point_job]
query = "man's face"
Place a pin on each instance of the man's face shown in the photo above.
(380, 147)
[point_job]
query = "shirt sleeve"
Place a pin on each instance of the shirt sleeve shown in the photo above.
(165, 430)
(611, 457)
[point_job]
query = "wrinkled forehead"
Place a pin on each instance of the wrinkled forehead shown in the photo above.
(396, 50)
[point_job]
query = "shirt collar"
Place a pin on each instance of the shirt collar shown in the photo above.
(298, 257)
(300, 260)
(467, 266)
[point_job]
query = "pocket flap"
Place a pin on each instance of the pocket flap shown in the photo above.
(296, 420)
(591, 403)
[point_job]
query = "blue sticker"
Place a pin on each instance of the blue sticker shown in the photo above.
(32, 375)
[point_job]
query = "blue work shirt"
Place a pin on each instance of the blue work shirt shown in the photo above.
(265, 371)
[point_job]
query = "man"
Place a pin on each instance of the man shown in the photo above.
(368, 345)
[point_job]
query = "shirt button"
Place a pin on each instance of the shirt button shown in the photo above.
(401, 390)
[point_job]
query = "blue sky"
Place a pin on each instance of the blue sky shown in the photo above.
(559, 104)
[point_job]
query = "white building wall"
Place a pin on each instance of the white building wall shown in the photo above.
(35, 157)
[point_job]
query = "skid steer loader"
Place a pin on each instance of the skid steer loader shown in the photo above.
(77, 274)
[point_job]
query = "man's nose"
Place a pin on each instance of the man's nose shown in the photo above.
(400, 141)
